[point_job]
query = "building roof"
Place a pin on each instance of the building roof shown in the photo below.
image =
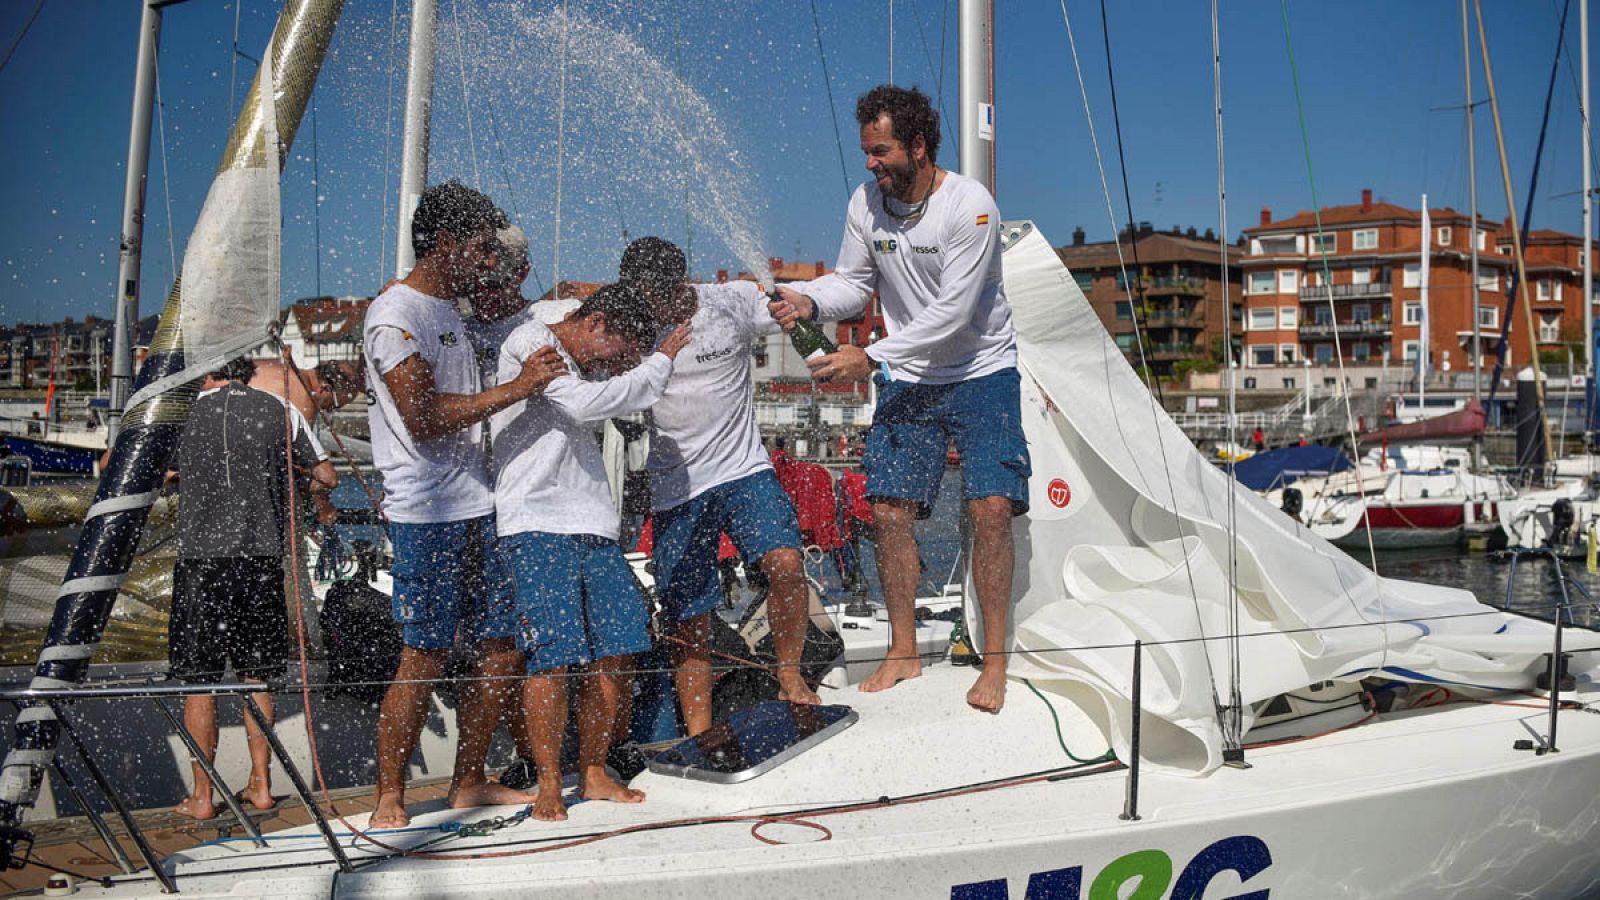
(327, 320)
(1153, 247)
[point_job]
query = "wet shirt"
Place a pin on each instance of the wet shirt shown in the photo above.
(488, 337)
(550, 475)
(938, 281)
(443, 479)
(233, 474)
(704, 427)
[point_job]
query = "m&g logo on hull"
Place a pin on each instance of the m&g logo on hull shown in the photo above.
(1148, 871)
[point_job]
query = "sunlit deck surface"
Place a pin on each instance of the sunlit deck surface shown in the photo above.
(71, 843)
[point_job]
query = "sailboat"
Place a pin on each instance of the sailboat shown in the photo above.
(1205, 702)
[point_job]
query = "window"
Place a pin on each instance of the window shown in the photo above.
(1488, 281)
(1288, 281)
(1288, 316)
(1361, 312)
(1503, 249)
(1362, 275)
(1260, 283)
(1442, 235)
(1544, 289)
(1321, 315)
(1126, 342)
(1122, 280)
(1085, 280)
(1412, 276)
(1287, 352)
(1124, 311)
(1262, 355)
(1280, 245)
(1361, 351)
(1411, 314)
(1288, 384)
(1323, 354)
(1327, 243)
(1263, 319)
(1409, 350)
(1549, 329)
(1483, 240)
(1364, 239)
(1489, 317)
(1250, 383)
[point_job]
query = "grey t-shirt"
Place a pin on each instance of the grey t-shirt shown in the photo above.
(233, 476)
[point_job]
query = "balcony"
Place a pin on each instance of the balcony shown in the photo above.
(1166, 352)
(1345, 329)
(1175, 285)
(1346, 291)
(1166, 318)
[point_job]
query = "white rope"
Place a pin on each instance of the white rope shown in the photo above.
(388, 144)
(166, 182)
(1138, 334)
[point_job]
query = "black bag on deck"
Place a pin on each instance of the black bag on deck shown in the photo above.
(741, 686)
(361, 640)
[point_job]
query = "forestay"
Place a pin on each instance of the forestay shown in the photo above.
(1127, 539)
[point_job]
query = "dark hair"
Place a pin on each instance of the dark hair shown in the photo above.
(626, 310)
(451, 208)
(237, 369)
(910, 114)
(652, 261)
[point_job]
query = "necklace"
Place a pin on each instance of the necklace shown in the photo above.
(914, 213)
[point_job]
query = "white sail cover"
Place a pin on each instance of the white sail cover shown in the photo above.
(1127, 539)
(232, 264)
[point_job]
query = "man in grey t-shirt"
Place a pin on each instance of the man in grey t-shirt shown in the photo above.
(234, 465)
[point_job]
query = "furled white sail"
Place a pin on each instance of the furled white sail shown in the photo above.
(1127, 539)
(232, 264)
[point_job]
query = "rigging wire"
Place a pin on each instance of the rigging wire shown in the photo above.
(891, 41)
(833, 114)
(166, 180)
(466, 101)
(561, 151)
(388, 142)
(1233, 719)
(17, 42)
(938, 100)
(1338, 349)
(316, 197)
(233, 58)
(1138, 332)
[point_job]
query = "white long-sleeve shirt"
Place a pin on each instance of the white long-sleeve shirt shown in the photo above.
(549, 473)
(939, 282)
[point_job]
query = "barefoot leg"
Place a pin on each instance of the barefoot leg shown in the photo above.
(599, 694)
(691, 671)
(482, 704)
(894, 523)
(788, 601)
(400, 718)
(545, 704)
(200, 719)
(258, 791)
(993, 553)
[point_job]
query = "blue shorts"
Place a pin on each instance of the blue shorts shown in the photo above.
(756, 514)
(577, 600)
(914, 424)
(448, 578)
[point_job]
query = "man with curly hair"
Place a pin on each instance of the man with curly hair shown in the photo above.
(927, 240)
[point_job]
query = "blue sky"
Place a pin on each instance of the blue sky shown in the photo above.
(707, 121)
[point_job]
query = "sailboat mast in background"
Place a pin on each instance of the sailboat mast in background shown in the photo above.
(419, 106)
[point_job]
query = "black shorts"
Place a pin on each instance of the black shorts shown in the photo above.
(228, 610)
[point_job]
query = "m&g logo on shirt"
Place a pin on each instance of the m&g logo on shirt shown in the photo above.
(448, 339)
(886, 246)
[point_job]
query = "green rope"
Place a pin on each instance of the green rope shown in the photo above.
(1109, 756)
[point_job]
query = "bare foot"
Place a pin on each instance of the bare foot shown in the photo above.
(390, 811)
(793, 688)
(597, 785)
(891, 672)
(989, 692)
(485, 793)
(258, 793)
(197, 808)
(547, 805)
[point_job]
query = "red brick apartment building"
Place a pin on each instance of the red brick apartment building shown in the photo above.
(1374, 269)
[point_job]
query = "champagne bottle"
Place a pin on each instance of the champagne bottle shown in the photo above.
(808, 339)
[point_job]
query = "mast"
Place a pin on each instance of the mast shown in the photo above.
(414, 152)
(1472, 190)
(1422, 345)
(1588, 219)
(977, 92)
(132, 241)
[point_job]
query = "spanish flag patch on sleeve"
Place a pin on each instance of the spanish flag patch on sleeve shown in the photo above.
(983, 219)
